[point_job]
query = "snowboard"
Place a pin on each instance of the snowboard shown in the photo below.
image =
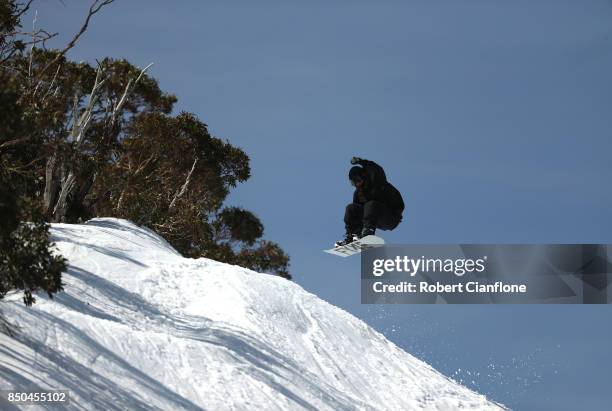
(357, 246)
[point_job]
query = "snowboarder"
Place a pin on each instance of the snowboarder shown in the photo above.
(376, 203)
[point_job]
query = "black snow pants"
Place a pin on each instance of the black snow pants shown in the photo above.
(372, 214)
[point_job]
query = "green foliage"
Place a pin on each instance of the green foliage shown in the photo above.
(238, 241)
(266, 257)
(240, 225)
(26, 262)
(8, 210)
(8, 18)
(9, 22)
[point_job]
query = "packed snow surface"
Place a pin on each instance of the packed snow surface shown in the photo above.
(139, 327)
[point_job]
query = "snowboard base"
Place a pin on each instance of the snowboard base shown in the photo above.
(357, 246)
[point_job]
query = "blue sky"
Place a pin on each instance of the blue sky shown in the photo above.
(492, 117)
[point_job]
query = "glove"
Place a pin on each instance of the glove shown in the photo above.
(356, 160)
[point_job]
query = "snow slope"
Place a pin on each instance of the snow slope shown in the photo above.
(139, 327)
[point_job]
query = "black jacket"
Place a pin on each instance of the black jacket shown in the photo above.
(377, 188)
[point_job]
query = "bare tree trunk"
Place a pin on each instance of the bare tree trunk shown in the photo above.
(83, 190)
(51, 185)
(61, 207)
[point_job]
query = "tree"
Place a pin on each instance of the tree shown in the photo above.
(26, 262)
(100, 141)
(27, 118)
(170, 174)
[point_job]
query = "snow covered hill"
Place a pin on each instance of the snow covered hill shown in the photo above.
(141, 328)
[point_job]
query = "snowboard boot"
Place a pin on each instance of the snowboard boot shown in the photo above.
(366, 231)
(348, 238)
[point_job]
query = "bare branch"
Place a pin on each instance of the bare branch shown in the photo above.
(52, 83)
(143, 165)
(121, 101)
(14, 142)
(95, 7)
(25, 9)
(184, 187)
(142, 72)
(33, 43)
(37, 36)
(80, 124)
(34, 33)
(128, 89)
(93, 98)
